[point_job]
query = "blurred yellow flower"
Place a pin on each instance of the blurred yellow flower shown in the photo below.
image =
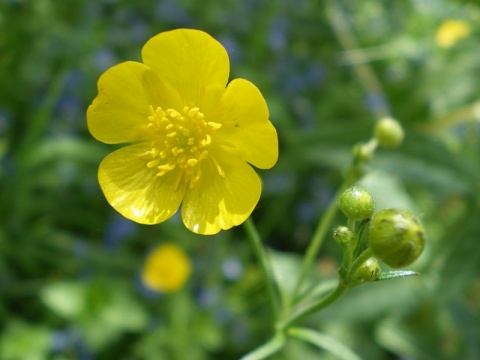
(192, 137)
(451, 31)
(166, 269)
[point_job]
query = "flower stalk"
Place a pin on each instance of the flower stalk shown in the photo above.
(260, 254)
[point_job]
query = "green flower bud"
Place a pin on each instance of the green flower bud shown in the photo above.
(368, 271)
(396, 237)
(356, 203)
(363, 152)
(343, 235)
(389, 133)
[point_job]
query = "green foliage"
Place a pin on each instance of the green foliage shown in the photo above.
(69, 266)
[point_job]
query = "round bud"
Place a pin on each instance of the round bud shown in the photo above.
(356, 203)
(368, 271)
(343, 235)
(389, 133)
(396, 237)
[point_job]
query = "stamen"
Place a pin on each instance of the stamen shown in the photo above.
(192, 162)
(215, 125)
(166, 167)
(153, 163)
(193, 111)
(217, 166)
(154, 152)
(177, 180)
(180, 142)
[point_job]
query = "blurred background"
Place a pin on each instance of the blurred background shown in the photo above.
(71, 267)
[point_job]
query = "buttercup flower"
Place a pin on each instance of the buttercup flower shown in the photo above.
(191, 138)
(166, 269)
(451, 31)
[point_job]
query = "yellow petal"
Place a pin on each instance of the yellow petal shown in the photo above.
(221, 202)
(245, 116)
(134, 190)
(190, 60)
(120, 112)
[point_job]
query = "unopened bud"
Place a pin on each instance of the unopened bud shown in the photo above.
(389, 133)
(343, 235)
(356, 203)
(368, 271)
(396, 237)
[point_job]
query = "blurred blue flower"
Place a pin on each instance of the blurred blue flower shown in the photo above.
(232, 46)
(279, 182)
(81, 248)
(278, 34)
(5, 117)
(306, 211)
(131, 27)
(60, 340)
(315, 74)
(103, 59)
(319, 195)
(232, 268)
(294, 76)
(117, 230)
(67, 341)
(172, 11)
(375, 101)
(304, 111)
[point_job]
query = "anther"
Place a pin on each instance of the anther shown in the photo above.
(166, 167)
(192, 162)
(154, 152)
(193, 111)
(153, 163)
(214, 125)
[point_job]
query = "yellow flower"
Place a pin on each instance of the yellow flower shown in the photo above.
(166, 269)
(191, 137)
(451, 31)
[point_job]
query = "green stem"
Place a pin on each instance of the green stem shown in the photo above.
(348, 253)
(312, 308)
(466, 114)
(257, 247)
(179, 319)
(269, 348)
(321, 231)
(351, 225)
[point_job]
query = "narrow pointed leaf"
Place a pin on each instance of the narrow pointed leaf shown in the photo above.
(324, 342)
(387, 275)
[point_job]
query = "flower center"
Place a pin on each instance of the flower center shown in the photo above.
(181, 142)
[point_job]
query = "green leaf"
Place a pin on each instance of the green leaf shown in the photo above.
(102, 310)
(274, 345)
(66, 299)
(285, 268)
(23, 341)
(387, 275)
(325, 342)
